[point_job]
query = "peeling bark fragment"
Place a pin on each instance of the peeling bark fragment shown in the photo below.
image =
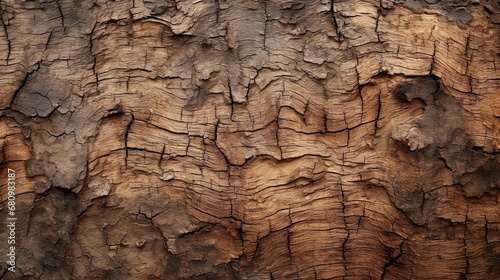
(55, 213)
(456, 11)
(422, 88)
(439, 122)
(252, 139)
(33, 104)
(460, 16)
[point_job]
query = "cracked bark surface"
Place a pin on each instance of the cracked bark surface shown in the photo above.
(270, 139)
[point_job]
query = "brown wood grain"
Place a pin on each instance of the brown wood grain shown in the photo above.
(252, 139)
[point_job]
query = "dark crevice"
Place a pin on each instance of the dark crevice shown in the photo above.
(362, 104)
(183, 37)
(8, 41)
(4, 156)
(480, 149)
(116, 110)
(348, 129)
(295, 110)
(48, 39)
(216, 132)
(138, 69)
(392, 261)
(433, 61)
(467, 60)
(246, 94)
(422, 205)
(240, 235)
(94, 56)
(356, 69)
(19, 89)
(348, 137)
(344, 243)
(162, 155)
(360, 219)
(345, 129)
(289, 246)
(325, 122)
(278, 141)
(164, 129)
(194, 231)
(379, 109)
(334, 19)
(5, 271)
(25, 80)
(231, 100)
(217, 10)
(62, 15)
(129, 125)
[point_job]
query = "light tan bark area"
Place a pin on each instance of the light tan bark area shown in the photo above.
(271, 139)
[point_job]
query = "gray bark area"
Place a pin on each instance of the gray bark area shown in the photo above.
(271, 139)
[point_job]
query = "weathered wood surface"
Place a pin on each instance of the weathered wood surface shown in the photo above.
(252, 139)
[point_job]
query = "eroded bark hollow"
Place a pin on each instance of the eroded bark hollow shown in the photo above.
(273, 139)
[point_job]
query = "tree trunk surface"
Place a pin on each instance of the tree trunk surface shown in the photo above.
(272, 139)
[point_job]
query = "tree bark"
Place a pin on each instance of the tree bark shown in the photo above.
(273, 139)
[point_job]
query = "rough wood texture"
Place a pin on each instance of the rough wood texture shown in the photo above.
(271, 139)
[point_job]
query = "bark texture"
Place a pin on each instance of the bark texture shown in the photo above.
(273, 139)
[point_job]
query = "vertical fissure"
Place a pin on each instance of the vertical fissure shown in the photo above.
(9, 47)
(334, 19)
